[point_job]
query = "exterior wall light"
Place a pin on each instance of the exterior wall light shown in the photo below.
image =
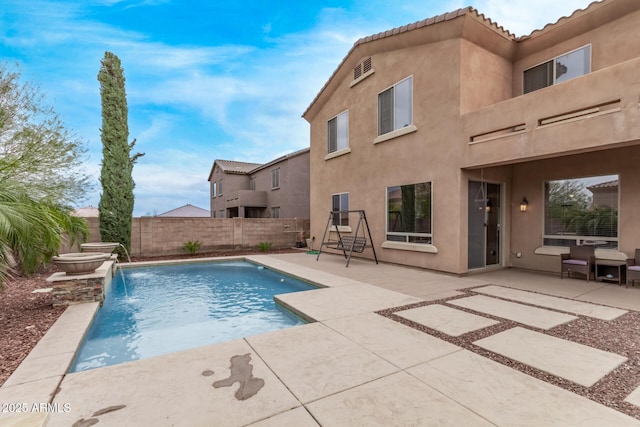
(524, 204)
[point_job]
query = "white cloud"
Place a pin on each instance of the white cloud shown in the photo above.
(521, 17)
(246, 101)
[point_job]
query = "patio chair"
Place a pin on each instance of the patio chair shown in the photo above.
(633, 268)
(580, 259)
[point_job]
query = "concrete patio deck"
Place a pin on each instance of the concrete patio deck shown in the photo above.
(350, 367)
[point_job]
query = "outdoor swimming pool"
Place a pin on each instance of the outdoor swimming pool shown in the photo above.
(159, 310)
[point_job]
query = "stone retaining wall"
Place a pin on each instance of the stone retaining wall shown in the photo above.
(70, 289)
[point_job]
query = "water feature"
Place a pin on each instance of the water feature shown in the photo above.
(176, 307)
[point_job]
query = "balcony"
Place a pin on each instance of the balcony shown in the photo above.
(246, 198)
(597, 111)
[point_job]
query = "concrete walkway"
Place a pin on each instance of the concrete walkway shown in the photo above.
(352, 366)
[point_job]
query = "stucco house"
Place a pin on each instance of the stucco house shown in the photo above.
(470, 148)
(277, 189)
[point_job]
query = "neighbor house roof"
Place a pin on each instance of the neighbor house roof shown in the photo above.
(86, 212)
(281, 159)
(186, 211)
(243, 168)
(608, 184)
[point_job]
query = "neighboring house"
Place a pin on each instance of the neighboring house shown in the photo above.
(463, 142)
(86, 212)
(186, 211)
(277, 189)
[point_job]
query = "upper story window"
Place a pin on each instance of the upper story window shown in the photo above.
(581, 211)
(220, 188)
(214, 190)
(338, 132)
(339, 205)
(409, 213)
(275, 179)
(559, 69)
(395, 107)
(252, 183)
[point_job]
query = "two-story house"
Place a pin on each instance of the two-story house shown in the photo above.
(470, 148)
(277, 189)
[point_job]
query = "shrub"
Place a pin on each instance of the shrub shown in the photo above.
(264, 246)
(191, 247)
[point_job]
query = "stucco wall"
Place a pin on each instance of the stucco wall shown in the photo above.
(528, 181)
(612, 43)
(292, 197)
(431, 154)
(230, 183)
(472, 123)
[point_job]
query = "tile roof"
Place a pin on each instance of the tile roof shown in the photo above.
(469, 11)
(86, 212)
(231, 166)
(561, 20)
(187, 210)
(281, 158)
(608, 184)
(244, 168)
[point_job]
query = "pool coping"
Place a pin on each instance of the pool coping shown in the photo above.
(329, 280)
(40, 374)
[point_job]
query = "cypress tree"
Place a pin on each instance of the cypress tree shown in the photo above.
(116, 201)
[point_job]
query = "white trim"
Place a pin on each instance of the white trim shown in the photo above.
(413, 247)
(568, 119)
(493, 138)
(395, 134)
(362, 77)
(338, 153)
(341, 228)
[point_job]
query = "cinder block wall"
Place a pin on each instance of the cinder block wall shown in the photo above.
(154, 236)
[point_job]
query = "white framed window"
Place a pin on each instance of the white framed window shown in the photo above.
(557, 70)
(409, 213)
(340, 204)
(275, 212)
(338, 132)
(214, 190)
(581, 211)
(275, 179)
(395, 107)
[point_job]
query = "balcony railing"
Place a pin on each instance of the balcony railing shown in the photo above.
(248, 198)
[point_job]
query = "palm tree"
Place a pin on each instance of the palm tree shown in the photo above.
(31, 231)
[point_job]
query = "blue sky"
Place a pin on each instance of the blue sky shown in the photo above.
(208, 80)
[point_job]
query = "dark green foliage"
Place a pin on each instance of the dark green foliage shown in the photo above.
(116, 201)
(264, 246)
(40, 175)
(191, 247)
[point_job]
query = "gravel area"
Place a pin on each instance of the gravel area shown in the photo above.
(620, 336)
(25, 316)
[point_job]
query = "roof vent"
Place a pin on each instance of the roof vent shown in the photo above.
(362, 68)
(357, 71)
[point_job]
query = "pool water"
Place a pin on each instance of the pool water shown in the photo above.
(159, 310)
